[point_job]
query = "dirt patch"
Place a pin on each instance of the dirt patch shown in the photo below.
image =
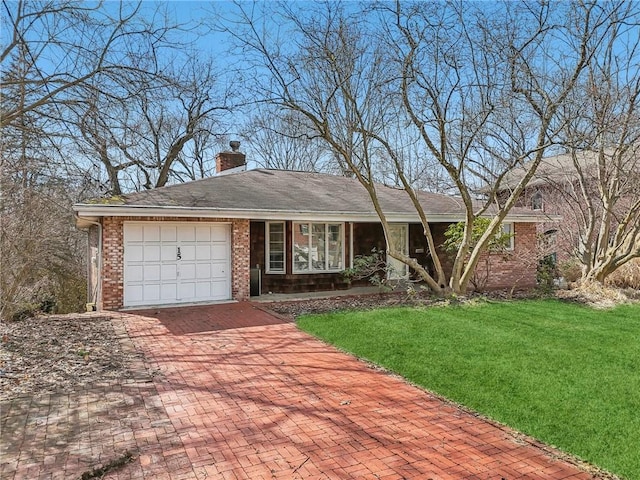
(63, 353)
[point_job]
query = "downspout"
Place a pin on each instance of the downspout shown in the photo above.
(98, 290)
(350, 244)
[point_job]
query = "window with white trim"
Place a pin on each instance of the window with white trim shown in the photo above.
(275, 247)
(318, 247)
(508, 229)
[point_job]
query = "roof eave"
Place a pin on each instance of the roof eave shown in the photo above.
(93, 212)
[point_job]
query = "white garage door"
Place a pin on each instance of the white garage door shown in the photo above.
(171, 263)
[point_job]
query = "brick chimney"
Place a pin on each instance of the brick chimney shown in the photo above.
(231, 160)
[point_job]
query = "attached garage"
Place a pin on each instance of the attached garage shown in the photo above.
(174, 263)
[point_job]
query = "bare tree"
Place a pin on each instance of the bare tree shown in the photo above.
(602, 135)
(283, 140)
(480, 88)
(60, 58)
(485, 98)
(40, 254)
(150, 130)
(67, 44)
(340, 82)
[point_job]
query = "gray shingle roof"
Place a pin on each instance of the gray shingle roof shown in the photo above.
(281, 191)
(554, 169)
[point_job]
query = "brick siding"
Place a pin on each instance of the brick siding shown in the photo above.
(113, 256)
(516, 268)
(112, 263)
(240, 258)
(565, 240)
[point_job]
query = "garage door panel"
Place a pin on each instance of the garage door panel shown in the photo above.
(186, 233)
(151, 253)
(203, 252)
(218, 269)
(135, 233)
(135, 294)
(168, 272)
(219, 290)
(169, 291)
(203, 290)
(135, 273)
(188, 253)
(155, 275)
(151, 233)
(187, 271)
(219, 233)
(219, 252)
(203, 234)
(169, 253)
(186, 290)
(203, 271)
(169, 233)
(134, 252)
(151, 292)
(151, 272)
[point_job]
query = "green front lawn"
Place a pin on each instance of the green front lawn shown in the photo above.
(565, 374)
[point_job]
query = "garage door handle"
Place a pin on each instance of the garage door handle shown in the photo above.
(179, 255)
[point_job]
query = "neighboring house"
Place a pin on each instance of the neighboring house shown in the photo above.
(554, 194)
(202, 241)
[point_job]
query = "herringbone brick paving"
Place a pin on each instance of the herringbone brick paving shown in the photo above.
(244, 395)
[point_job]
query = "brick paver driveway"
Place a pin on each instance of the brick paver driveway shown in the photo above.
(243, 394)
(253, 397)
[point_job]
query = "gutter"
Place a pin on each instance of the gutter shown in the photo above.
(89, 213)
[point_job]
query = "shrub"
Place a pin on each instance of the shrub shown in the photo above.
(372, 267)
(546, 273)
(627, 276)
(570, 270)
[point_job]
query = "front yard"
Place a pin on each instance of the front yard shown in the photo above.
(566, 374)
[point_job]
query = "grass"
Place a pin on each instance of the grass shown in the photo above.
(565, 374)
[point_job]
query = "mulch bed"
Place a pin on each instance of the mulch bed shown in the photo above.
(61, 353)
(382, 299)
(296, 308)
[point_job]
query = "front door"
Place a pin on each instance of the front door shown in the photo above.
(399, 240)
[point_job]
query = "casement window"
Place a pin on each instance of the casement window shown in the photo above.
(507, 228)
(318, 247)
(275, 247)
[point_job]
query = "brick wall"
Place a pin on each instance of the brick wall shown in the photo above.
(113, 256)
(516, 268)
(112, 263)
(240, 258)
(554, 202)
